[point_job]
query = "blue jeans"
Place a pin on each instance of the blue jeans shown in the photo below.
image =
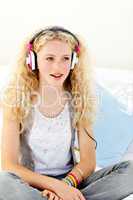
(111, 183)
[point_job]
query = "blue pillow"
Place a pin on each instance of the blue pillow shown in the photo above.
(113, 129)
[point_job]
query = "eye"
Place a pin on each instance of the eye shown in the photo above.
(66, 58)
(49, 58)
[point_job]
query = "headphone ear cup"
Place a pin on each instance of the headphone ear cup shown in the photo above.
(74, 60)
(31, 60)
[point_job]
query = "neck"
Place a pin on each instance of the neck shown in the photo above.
(50, 95)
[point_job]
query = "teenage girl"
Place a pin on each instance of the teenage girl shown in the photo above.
(48, 145)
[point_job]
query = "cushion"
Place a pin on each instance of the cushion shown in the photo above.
(113, 129)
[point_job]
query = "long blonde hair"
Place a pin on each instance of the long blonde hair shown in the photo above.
(79, 83)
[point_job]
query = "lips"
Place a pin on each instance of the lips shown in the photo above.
(56, 75)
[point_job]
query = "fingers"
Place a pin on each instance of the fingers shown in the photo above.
(53, 196)
(50, 195)
(44, 193)
(56, 198)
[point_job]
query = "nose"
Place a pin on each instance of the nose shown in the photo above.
(57, 65)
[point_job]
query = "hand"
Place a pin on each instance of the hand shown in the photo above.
(51, 195)
(67, 192)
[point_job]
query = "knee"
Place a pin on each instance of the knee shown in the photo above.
(127, 165)
(130, 164)
(7, 176)
(10, 183)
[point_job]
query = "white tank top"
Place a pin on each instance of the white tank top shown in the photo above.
(50, 142)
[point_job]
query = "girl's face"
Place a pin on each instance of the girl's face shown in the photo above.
(54, 60)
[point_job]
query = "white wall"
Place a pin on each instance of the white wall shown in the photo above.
(106, 25)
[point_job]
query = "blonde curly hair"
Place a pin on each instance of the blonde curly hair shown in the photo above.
(79, 82)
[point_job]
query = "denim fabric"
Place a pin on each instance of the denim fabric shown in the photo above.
(111, 183)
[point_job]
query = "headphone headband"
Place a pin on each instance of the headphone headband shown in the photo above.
(54, 29)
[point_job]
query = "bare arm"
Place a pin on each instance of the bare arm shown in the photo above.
(10, 153)
(87, 154)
